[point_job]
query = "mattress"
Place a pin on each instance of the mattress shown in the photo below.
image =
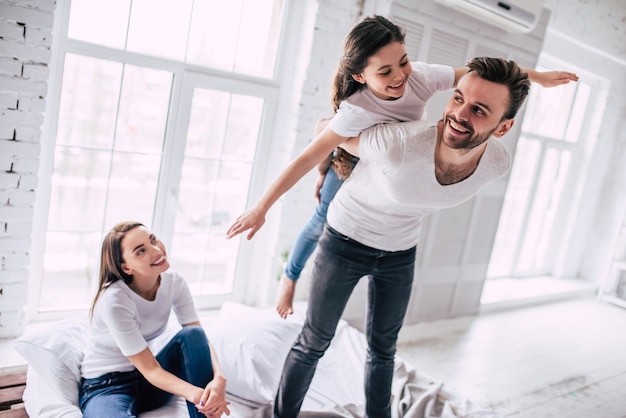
(252, 345)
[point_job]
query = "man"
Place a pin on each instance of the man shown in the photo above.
(406, 171)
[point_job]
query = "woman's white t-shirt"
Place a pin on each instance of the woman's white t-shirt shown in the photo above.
(124, 323)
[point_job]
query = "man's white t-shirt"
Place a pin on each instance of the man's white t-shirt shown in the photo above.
(394, 187)
(124, 323)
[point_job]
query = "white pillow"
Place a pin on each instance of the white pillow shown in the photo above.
(252, 346)
(55, 353)
(42, 402)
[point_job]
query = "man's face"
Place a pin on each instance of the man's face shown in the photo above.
(475, 112)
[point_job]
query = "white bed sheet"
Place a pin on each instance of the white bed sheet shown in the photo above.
(336, 390)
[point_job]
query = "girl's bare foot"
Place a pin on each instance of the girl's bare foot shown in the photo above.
(286, 292)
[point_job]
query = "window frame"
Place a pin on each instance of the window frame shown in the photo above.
(272, 90)
(568, 207)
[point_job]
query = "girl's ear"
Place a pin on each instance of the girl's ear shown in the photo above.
(126, 270)
(359, 78)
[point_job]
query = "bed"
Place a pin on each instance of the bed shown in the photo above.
(252, 345)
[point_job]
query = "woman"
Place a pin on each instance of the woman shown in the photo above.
(121, 376)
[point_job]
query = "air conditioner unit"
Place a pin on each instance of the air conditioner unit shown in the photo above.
(518, 16)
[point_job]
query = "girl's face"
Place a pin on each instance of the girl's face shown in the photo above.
(386, 72)
(144, 255)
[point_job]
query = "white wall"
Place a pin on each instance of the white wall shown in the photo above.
(25, 40)
(333, 21)
(592, 35)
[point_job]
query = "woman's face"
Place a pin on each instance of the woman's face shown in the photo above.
(143, 253)
(386, 72)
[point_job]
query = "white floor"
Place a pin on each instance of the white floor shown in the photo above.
(564, 359)
(510, 292)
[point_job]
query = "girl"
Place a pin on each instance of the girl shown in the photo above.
(374, 83)
(121, 377)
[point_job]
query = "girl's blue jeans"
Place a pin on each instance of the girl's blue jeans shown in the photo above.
(339, 265)
(310, 234)
(125, 394)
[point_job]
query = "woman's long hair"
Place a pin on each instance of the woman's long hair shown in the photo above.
(364, 40)
(111, 259)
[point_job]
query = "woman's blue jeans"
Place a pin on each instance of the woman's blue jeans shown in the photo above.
(340, 263)
(310, 234)
(125, 394)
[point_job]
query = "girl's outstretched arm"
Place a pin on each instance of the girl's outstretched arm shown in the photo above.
(550, 78)
(543, 78)
(317, 150)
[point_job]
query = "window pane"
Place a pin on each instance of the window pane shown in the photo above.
(240, 138)
(242, 37)
(514, 209)
(209, 199)
(578, 112)
(222, 137)
(99, 22)
(234, 177)
(238, 36)
(144, 104)
(206, 261)
(541, 217)
(196, 195)
(207, 123)
(548, 110)
(92, 187)
(160, 27)
(212, 37)
(216, 128)
(132, 188)
(71, 266)
(78, 190)
(82, 120)
(258, 37)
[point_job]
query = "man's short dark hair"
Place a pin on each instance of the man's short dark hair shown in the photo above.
(501, 71)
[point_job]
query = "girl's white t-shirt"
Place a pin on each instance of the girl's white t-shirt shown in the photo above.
(124, 323)
(363, 109)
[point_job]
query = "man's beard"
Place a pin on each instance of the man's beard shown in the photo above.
(474, 140)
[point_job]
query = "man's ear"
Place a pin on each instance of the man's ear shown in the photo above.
(359, 78)
(504, 127)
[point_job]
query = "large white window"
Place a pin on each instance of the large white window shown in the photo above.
(157, 111)
(549, 165)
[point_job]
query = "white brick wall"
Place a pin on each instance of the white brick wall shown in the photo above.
(25, 39)
(334, 20)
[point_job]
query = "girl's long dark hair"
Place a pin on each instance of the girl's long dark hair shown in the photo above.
(111, 259)
(364, 40)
